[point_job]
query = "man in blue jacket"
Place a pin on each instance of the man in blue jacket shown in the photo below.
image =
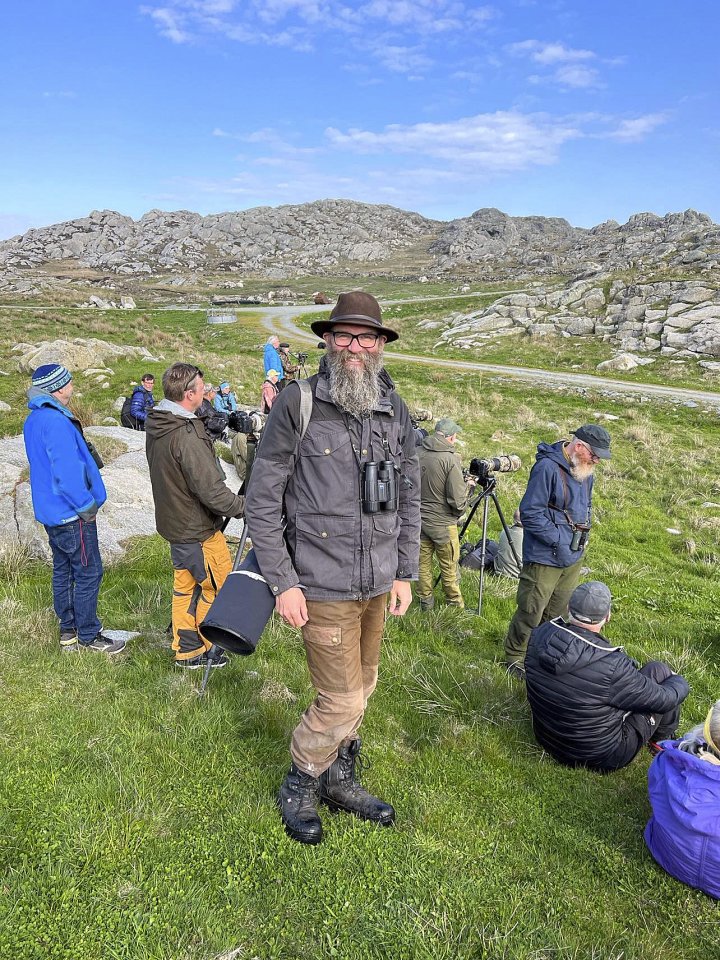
(555, 513)
(67, 492)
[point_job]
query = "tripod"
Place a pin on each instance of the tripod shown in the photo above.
(487, 494)
(302, 368)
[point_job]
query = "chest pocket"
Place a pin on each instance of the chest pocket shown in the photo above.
(324, 551)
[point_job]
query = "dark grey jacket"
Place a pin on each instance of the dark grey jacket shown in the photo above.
(331, 548)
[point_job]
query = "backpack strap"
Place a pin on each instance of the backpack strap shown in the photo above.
(306, 404)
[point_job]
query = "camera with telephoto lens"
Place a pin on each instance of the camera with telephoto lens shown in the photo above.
(301, 357)
(380, 486)
(246, 421)
(480, 470)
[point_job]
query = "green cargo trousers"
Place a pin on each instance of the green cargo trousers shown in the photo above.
(543, 594)
(447, 555)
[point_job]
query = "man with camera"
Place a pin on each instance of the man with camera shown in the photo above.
(191, 502)
(592, 706)
(444, 493)
(555, 513)
(333, 513)
(289, 368)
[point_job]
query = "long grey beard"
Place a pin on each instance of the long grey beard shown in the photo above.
(581, 471)
(357, 393)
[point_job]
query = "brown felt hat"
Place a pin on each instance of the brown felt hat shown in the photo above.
(355, 307)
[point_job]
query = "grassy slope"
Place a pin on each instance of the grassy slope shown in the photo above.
(138, 822)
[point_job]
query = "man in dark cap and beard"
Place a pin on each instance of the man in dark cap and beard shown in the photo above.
(337, 549)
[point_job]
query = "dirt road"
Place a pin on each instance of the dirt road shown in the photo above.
(280, 320)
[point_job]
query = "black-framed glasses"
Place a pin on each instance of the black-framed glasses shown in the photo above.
(344, 339)
(198, 373)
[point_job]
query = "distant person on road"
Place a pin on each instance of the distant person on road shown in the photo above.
(269, 391)
(67, 492)
(225, 400)
(271, 357)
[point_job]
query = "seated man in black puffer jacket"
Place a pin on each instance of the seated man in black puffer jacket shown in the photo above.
(591, 704)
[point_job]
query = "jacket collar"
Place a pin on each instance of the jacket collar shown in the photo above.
(41, 398)
(175, 409)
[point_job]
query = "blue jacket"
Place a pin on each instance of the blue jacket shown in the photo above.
(273, 361)
(552, 492)
(141, 402)
(64, 479)
(225, 402)
(683, 834)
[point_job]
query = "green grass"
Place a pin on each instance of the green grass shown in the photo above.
(137, 822)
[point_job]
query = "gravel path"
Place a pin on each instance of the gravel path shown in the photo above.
(280, 320)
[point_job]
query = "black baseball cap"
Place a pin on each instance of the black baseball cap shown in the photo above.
(597, 438)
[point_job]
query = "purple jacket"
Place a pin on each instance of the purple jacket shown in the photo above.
(683, 834)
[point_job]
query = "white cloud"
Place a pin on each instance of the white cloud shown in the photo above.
(566, 66)
(169, 22)
(491, 143)
(408, 25)
(576, 75)
(633, 131)
(549, 53)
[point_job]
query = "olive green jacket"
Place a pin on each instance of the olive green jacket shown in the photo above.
(444, 494)
(188, 483)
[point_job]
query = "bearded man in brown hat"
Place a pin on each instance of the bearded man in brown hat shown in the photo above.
(333, 511)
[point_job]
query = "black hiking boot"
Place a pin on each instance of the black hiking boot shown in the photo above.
(298, 799)
(340, 790)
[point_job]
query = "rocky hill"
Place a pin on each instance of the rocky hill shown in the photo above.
(335, 236)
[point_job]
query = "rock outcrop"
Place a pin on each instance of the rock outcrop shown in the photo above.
(673, 317)
(329, 236)
(87, 355)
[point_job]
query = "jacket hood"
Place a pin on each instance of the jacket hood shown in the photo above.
(565, 647)
(167, 417)
(437, 444)
(553, 451)
(41, 398)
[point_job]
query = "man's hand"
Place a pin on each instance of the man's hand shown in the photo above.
(400, 597)
(292, 607)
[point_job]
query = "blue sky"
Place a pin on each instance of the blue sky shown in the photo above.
(584, 109)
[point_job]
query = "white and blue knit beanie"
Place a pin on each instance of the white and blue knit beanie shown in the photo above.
(51, 377)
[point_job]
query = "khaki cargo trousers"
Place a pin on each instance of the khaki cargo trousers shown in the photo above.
(543, 594)
(342, 646)
(448, 555)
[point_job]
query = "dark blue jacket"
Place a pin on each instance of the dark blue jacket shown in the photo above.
(64, 479)
(552, 492)
(141, 402)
